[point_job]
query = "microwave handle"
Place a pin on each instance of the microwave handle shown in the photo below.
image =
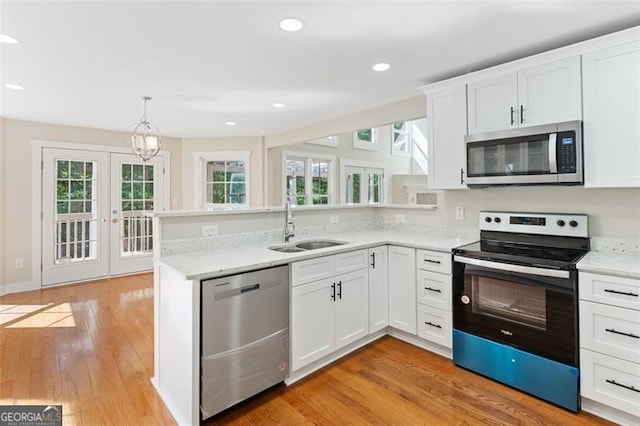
(553, 161)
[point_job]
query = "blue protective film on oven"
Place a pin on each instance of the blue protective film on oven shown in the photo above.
(549, 380)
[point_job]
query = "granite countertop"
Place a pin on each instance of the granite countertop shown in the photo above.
(619, 264)
(224, 261)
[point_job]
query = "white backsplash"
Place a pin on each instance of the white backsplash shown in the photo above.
(274, 236)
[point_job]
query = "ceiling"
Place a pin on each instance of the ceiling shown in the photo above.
(88, 63)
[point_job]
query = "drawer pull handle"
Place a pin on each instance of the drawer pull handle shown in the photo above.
(613, 382)
(437, 290)
(433, 325)
(611, 330)
(433, 261)
(624, 293)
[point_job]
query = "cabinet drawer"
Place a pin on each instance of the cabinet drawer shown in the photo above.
(610, 330)
(434, 325)
(310, 270)
(434, 261)
(351, 261)
(434, 290)
(618, 291)
(610, 381)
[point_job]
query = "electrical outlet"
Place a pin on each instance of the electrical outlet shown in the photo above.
(19, 264)
(174, 202)
(334, 219)
(460, 213)
(209, 230)
(400, 218)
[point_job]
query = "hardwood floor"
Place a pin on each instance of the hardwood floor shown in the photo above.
(89, 347)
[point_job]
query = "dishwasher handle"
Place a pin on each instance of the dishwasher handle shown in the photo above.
(250, 288)
(224, 293)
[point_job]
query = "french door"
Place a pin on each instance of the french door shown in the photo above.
(93, 222)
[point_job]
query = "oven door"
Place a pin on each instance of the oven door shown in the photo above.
(529, 308)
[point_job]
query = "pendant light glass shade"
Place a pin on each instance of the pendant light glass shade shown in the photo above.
(146, 142)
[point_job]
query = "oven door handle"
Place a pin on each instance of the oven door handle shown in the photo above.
(513, 268)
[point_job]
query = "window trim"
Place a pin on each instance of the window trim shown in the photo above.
(200, 160)
(332, 141)
(308, 157)
(345, 162)
(374, 145)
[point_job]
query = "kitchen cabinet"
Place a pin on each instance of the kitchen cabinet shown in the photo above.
(610, 342)
(378, 289)
(611, 88)
(402, 288)
(433, 287)
(446, 128)
(331, 312)
(548, 93)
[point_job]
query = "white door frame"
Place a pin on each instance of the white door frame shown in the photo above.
(37, 145)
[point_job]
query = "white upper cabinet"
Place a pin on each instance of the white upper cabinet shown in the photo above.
(611, 93)
(493, 103)
(446, 128)
(543, 94)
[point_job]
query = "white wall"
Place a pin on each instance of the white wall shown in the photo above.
(17, 183)
(3, 180)
(251, 144)
(406, 109)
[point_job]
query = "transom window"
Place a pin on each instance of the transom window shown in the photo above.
(366, 139)
(401, 139)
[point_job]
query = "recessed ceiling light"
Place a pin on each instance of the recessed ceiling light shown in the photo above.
(279, 104)
(382, 66)
(5, 38)
(14, 86)
(291, 24)
(230, 123)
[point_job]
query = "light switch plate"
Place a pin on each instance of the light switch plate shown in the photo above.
(400, 218)
(460, 213)
(334, 219)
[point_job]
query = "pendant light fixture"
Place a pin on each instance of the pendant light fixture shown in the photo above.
(146, 142)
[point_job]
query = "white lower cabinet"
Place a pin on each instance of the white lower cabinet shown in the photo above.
(433, 286)
(378, 289)
(610, 342)
(329, 313)
(402, 288)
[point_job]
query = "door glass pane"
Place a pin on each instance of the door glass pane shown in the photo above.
(510, 301)
(75, 229)
(136, 197)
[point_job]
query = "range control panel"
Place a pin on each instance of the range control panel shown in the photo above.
(569, 224)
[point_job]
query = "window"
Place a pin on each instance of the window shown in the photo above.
(363, 185)
(366, 139)
(308, 179)
(401, 139)
(222, 179)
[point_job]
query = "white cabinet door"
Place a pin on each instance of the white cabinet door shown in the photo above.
(446, 128)
(312, 322)
(611, 92)
(402, 288)
(550, 93)
(351, 307)
(378, 289)
(493, 104)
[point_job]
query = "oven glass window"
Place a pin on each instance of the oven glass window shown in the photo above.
(510, 301)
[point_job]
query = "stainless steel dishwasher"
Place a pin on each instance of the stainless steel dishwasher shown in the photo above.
(244, 336)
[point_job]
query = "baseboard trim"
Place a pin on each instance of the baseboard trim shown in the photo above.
(609, 413)
(18, 287)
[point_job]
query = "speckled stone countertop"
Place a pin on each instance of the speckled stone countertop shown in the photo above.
(217, 262)
(613, 256)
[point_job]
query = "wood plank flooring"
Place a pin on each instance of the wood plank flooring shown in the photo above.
(89, 347)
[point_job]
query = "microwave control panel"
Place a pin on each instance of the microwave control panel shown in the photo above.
(566, 152)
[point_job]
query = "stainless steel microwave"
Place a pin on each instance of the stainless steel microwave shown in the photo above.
(549, 154)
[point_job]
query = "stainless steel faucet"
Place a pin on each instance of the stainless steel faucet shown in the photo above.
(289, 227)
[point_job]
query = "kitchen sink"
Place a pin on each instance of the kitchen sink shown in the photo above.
(318, 244)
(307, 245)
(286, 249)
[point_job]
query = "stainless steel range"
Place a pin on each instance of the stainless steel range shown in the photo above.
(515, 302)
